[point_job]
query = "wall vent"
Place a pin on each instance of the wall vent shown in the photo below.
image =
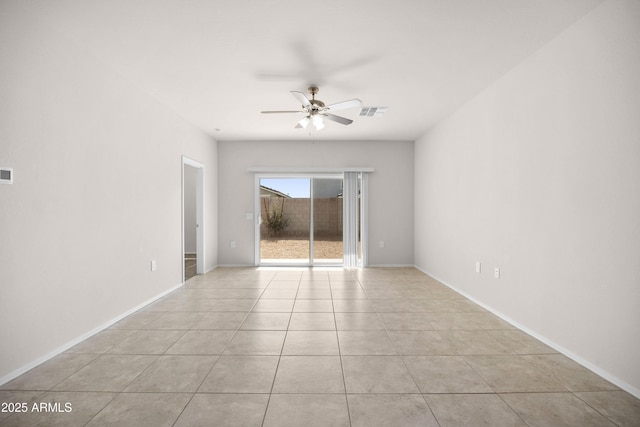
(6, 175)
(372, 111)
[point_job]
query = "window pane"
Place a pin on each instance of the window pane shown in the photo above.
(327, 221)
(285, 225)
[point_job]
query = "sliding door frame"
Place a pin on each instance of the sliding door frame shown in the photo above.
(280, 172)
(258, 216)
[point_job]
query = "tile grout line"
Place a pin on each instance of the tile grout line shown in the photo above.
(415, 382)
(344, 381)
(284, 340)
(204, 378)
(592, 407)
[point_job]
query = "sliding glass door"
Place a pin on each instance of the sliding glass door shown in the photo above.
(300, 220)
(327, 221)
(285, 220)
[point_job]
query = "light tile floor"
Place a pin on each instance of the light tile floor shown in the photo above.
(264, 347)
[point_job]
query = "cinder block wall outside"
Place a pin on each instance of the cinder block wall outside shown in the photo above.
(327, 216)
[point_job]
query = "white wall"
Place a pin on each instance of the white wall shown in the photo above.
(97, 193)
(390, 191)
(540, 175)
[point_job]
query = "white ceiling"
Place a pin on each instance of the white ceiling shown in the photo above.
(218, 63)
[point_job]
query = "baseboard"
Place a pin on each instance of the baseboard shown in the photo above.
(576, 358)
(307, 266)
(390, 266)
(17, 372)
(236, 265)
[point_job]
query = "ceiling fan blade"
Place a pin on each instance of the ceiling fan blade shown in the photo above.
(352, 103)
(301, 98)
(339, 119)
(278, 112)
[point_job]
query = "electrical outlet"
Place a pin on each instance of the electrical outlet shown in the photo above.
(382, 243)
(496, 273)
(232, 244)
(6, 175)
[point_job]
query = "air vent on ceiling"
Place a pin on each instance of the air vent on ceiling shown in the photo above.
(372, 111)
(6, 175)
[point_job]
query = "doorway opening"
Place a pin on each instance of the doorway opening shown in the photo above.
(192, 218)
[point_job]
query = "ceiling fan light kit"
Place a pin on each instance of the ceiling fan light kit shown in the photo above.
(317, 122)
(303, 123)
(316, 111)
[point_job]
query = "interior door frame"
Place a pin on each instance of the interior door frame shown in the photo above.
(200, 224)
(258, 215)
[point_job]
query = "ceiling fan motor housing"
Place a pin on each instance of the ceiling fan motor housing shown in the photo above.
(316, 104)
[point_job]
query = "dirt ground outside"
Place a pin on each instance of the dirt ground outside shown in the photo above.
(298, 248)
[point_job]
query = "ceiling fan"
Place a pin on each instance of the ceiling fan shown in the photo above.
(315, 110)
